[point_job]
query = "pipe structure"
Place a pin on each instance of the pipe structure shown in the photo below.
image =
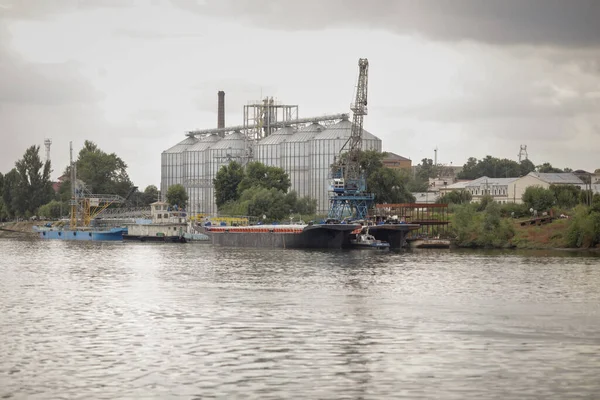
(332, 117)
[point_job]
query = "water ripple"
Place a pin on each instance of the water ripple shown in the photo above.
(119, 320)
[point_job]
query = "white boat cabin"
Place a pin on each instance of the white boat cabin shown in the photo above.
(166, 221)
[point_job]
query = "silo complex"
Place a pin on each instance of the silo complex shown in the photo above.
(304, 148)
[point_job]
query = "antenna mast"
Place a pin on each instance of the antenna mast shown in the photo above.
(47, 144)
(523, 153)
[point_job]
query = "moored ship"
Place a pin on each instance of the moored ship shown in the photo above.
(305, 236)
(85, 208)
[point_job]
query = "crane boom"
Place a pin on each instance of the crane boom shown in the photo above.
(359, 110)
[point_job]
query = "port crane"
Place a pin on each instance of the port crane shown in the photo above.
(349, 196)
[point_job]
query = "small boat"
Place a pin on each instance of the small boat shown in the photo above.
(368, 241)
(85, 209)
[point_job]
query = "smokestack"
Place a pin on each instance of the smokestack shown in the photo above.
(221, 110)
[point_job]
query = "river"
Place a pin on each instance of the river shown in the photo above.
(128, 320)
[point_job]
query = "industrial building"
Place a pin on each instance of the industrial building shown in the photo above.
(271, 133)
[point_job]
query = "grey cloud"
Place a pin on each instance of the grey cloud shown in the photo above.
(148, 35)
(37, 83)
(237, 94)
(43, 9)
(554, 22)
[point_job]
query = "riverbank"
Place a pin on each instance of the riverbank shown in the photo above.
(21, 228)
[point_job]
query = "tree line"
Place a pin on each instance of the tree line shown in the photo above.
(474, 168)
(27, 189)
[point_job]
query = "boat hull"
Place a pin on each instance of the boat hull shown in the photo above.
(326, 236)
(380, 247)
(155, 239)
(115, 234)
(394, 234)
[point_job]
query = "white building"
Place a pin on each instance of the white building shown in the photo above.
(510, 190)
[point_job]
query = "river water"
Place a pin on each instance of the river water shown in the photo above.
(125, 320)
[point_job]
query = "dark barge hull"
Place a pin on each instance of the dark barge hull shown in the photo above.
(326, 236)
(155, 239)
(394, 234)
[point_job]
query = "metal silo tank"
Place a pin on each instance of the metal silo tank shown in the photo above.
(172, 168)
(269, 150)
(296, 158)
(194, 164)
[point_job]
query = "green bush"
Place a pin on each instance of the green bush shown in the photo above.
(519, 210)
(538, 198)
(54, 209)
(584, 230)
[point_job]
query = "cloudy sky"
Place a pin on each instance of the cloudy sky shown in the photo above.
(470, 77)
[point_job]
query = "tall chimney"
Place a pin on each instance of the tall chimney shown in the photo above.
(221, 110)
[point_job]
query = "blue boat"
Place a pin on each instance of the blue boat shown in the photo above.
(81, 234)
(85, 208)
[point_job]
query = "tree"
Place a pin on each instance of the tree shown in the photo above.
(260, 175)
(177, 196)
(389, 186)
(538, 198)
(102, 173)
(53, 209)
(566, 196)
(526, 167)
(9, 192)
(456, 197)
(226, 183)
(150, 195)
(34, 187)
(426, 170)
(494, 168)
(547, 168)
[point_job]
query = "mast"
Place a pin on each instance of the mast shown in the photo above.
(73, 223)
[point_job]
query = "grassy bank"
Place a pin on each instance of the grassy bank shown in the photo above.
(473, 226)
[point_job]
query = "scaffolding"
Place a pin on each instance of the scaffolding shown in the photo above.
(432, 218)
(263, 117)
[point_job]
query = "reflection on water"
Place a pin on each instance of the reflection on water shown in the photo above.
(125, 320)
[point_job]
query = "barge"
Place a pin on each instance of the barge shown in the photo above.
(311, 236)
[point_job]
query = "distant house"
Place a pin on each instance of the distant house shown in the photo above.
(456, 186)
(395, 161)
(56, 185)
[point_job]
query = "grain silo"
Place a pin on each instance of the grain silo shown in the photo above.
(325, 148)
(232, 147)
(296, 157)
(172, 171)
(269, 150)
(195, 161)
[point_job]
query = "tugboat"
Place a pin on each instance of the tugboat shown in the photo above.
(365, 240)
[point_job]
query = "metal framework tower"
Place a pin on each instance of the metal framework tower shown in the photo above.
(349, 195)
(263, 117)
(47, 144)
(523, 153)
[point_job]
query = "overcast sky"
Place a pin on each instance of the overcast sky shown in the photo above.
(470, 77)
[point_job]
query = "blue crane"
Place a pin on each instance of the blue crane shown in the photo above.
(349, 196)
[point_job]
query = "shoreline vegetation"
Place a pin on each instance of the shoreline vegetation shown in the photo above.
(551, 236)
